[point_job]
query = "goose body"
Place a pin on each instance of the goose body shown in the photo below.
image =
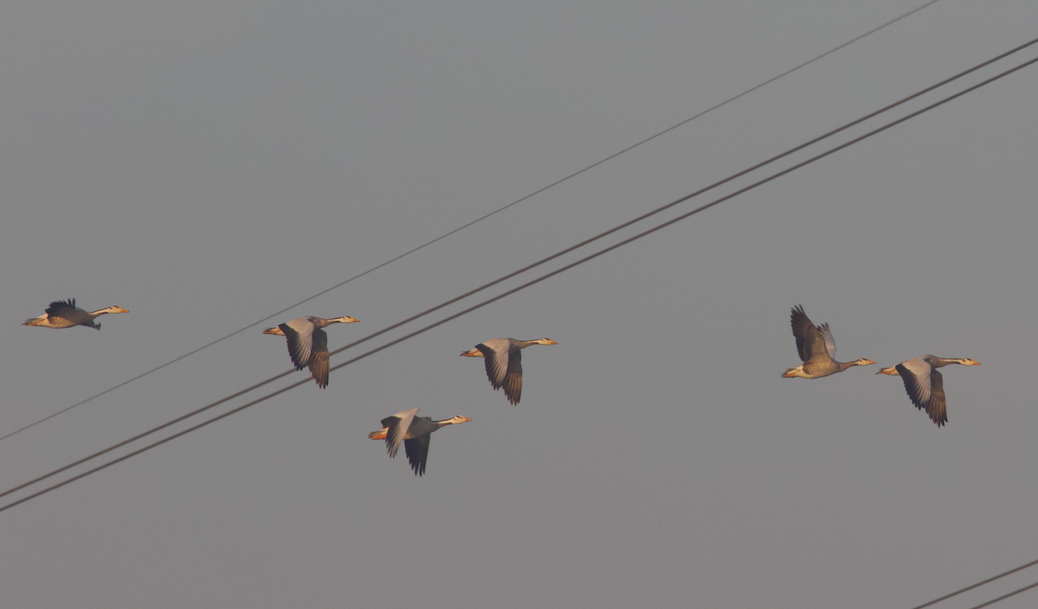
(504, 363)
(65, 314)
(413, 431)
(925, 385)
(817, 348)
(308, 343)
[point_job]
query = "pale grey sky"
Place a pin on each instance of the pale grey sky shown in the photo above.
(204, 164)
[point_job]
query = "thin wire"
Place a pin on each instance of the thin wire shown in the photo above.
(1005, 596)
(978, 584)
(526, 268)
(147, 433)
(685, 198)
(428, 311)
(484, 217)
(527, 284)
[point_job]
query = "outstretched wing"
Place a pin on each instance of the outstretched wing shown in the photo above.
(827, 338)
(61, 306)
(397, 426)
(810, 340)
(497, 363)
(925, 387)
(319, 358)
(938, 406)
(299, 333)
(417, 452)
(513, 384)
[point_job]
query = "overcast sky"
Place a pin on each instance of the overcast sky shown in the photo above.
(206, 164)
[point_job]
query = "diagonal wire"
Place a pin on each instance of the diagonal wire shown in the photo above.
(1005, 596)
(528, 267)
(977, 585)
(481, 218)
(527, 284)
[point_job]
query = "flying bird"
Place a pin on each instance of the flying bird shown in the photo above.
(414, 432)
(308, 344)
(925, 385)
(817, 348)
(504, 362)
(65, 314)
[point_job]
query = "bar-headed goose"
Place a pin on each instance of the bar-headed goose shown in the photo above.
(817, 348)
(925, 385)
(308, 344)
(414, 432)
(65, 314)
(504, 362)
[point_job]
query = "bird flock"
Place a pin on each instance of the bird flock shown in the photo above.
(308, 347)
(924, 384)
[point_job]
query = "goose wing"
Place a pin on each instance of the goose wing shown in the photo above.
(397, 427)
(60, 307)
(810, 340)
(497, 358)
(920, 381)
(513, 384)
(417, 450)
(299, 333)
(66, 309)
(827, 338)
(319, 358)
(938, 406)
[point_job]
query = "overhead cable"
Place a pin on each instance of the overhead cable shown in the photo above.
(1005, 596)
(523, 286)
(531, 266)
(978, 584)
(479, 219)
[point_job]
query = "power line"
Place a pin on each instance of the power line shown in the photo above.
(481, 218)
(1005, 596)
(517, 288)
(978, 584)
(535, 264)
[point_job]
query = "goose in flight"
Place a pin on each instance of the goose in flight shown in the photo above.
(504, 362)
(308, 344)
(65, 314)
(925, 385)
(414, 432)
(817, 348)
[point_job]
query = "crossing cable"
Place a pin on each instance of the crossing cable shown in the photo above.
(511, 291)
(979, 584)
(485, 286)
(1005, 596)
(484, 217)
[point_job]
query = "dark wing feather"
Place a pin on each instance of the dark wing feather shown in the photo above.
(67, 310)
(417, 453)
(299, 346)
(319, 358)
(938, 406)
(809, 339)
(58, 305)
(319, 368)
(397, 425)
(497, 363)
(918, 384)
(513, 384)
